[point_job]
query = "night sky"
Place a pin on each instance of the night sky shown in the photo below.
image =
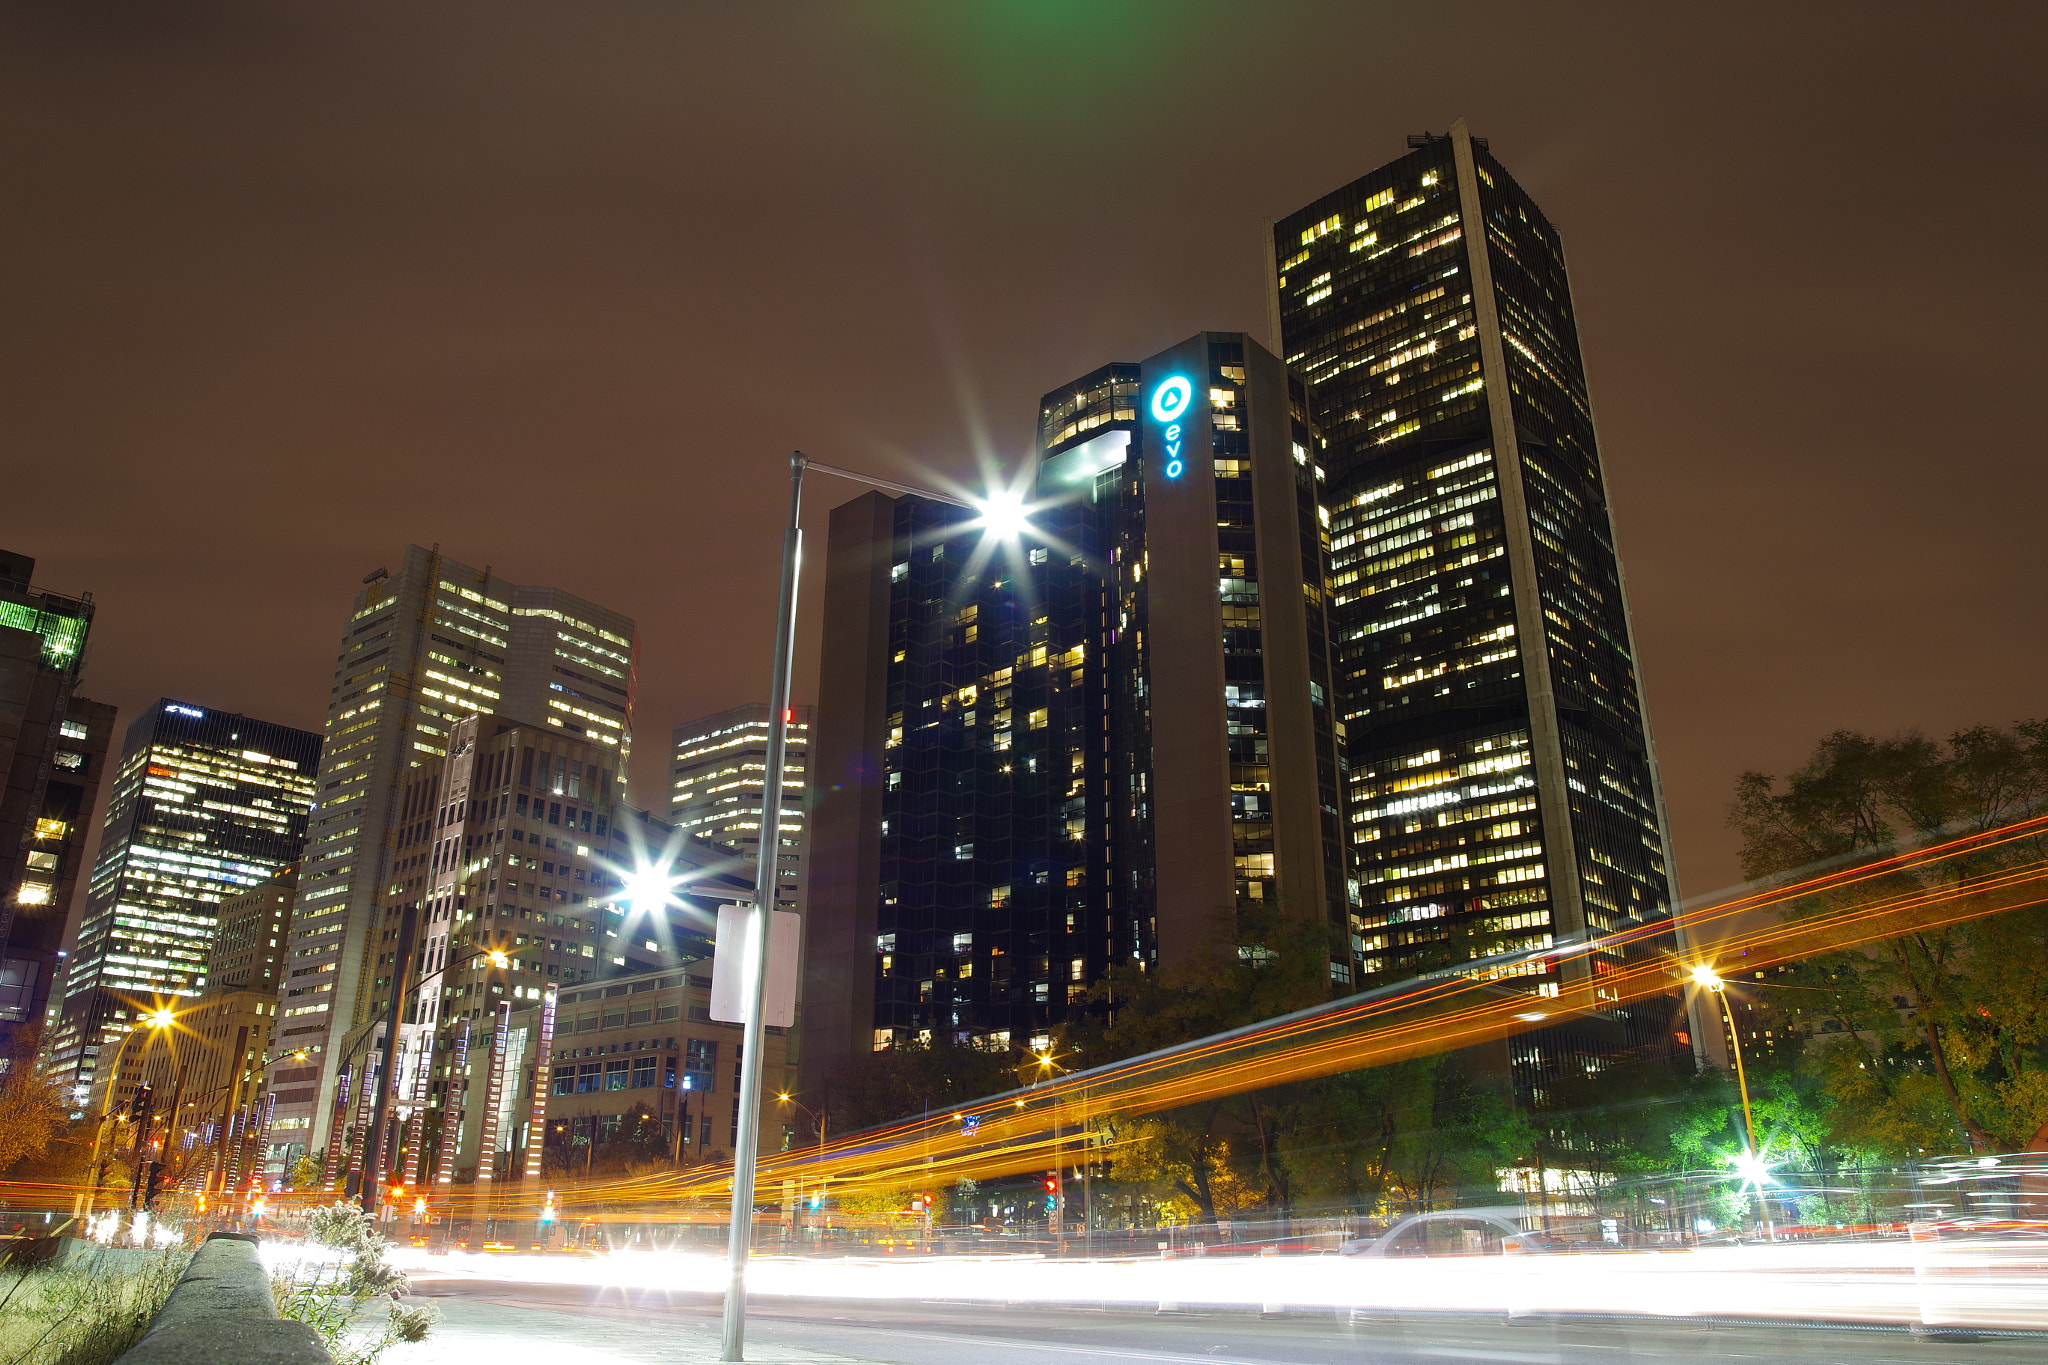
(560, 285)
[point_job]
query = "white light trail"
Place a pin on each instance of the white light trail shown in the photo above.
(1999, 1283)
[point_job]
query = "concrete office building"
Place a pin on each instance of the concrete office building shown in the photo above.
(511, 859)
(420, 651)
(206, 1079)
(53, 748)
(718, 770)
(255, 929)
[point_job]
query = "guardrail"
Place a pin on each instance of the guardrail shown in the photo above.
(222, 1313)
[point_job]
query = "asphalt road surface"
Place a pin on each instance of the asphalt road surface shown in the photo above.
(501, 1323)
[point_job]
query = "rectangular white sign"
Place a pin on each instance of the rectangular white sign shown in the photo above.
(729, 967)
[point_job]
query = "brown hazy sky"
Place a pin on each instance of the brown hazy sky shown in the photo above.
(559, 285)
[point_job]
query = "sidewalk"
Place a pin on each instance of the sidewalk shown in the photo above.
(473, 1332)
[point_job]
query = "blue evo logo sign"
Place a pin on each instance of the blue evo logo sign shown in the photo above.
(1170, 401)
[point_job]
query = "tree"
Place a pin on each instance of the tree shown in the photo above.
(31, 1103)
(911, 1080)
(1942, 1030)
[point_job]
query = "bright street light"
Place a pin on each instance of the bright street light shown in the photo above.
(1004, 516)
(1752, 1167)
(1705, 976)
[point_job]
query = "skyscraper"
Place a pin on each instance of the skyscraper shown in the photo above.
(53, 747)
(716, 780)
(205, 805)
(1503, 789)
(512, 859)
(1037, 760)
(255, 927)
(420, 651)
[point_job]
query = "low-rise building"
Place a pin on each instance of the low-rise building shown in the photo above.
(640, 1056)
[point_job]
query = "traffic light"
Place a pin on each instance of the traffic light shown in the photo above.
(1052, 1190)
(547, 1210)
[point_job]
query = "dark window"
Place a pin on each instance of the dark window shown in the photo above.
(643, 1072)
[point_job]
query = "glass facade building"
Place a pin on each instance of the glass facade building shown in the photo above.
(420, 651)
(1088, 747)
(53, 749)
(205, 805)
(1503, 789)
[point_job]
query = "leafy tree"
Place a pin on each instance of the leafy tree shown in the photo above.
(1411, 1134)
(1944, 1031)
(911, 1080)
(31, 1103)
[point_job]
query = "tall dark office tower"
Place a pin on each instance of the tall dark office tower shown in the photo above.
(53, 746)
(1038, 759)
(1503, 789)
(206, 804)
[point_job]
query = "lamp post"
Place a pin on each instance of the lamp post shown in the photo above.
(1706, 976)
(1000, 516)
(148, 1025)
(1752, 1163)
(817, 1118)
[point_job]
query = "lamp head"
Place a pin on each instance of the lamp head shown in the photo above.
(1752, 1167)
(160, 1018)
(1703, 975)
(498, 958)
(1004, 515)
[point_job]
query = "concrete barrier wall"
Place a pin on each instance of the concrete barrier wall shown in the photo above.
(222, 1313)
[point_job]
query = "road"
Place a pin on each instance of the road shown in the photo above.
(501, 1323)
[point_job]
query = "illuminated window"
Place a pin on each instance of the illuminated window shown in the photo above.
(51, 829)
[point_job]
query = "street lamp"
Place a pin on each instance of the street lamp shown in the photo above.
(1001, 516)
(148, 1025)
(818, 1118)
(1706, 976)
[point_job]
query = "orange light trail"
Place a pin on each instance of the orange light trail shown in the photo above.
(1047, 1124)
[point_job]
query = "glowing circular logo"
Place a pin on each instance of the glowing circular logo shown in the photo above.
(1172, 397)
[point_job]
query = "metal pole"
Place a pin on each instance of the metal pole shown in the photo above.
(98, 1174)
(767, 878)
(1741, 1076)
(387, 1078)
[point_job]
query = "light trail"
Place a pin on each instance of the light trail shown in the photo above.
(1046, 1125)
(1985, 1284)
